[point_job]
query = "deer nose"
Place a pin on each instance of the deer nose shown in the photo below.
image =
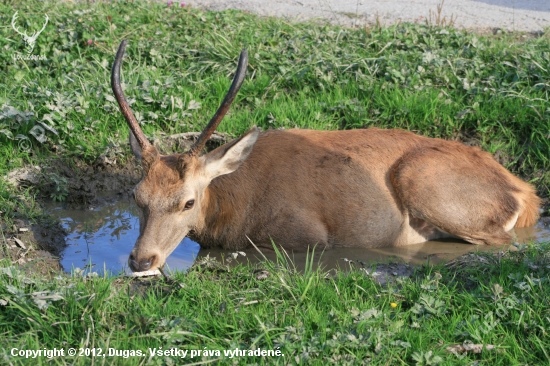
(140, 266)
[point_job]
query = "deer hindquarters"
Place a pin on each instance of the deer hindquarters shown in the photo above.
(464, 192)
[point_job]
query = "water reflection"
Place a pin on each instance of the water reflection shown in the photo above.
(101, 239)
(434, 252)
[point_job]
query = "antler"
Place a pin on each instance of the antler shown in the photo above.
(13, 19)
(43, 27)
(119, 95)
(224, 107)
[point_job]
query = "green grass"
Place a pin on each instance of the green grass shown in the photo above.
(437, 82)
(312, 317)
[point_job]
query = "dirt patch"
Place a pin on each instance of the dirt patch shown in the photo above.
(385, 274)
(80, 184)
(34, 247)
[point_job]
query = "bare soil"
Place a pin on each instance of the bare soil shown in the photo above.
(35, 248)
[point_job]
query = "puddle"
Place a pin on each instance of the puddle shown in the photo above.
(434, 252)
(100, 239)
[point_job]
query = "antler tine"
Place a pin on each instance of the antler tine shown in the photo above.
(13, 19)
(45, 23)
(119, 95)
(224, 107)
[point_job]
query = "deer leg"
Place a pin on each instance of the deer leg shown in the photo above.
(459, 190)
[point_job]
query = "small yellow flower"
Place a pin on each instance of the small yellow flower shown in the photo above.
(393, 305)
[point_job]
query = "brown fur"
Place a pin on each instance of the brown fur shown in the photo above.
(361, 188)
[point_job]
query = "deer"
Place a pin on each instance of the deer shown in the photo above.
(299, 188)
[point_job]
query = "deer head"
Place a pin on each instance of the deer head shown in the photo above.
(29, 40)
(173, 192)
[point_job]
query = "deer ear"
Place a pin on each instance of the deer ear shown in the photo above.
(227, 158)
(150, 155)
(147, 156)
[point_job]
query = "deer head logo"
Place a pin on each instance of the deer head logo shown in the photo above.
(29, 40)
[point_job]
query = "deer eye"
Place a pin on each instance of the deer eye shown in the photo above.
(189, 204)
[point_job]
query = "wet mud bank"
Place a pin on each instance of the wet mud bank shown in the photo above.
(34, 247)
(97, 218)
(37, 246)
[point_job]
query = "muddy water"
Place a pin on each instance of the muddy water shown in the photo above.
(433, 252)
(101, 238)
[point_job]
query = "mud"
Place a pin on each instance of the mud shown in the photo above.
(36, 248)
(81, 184)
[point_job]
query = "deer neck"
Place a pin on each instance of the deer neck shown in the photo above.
(220, 213)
